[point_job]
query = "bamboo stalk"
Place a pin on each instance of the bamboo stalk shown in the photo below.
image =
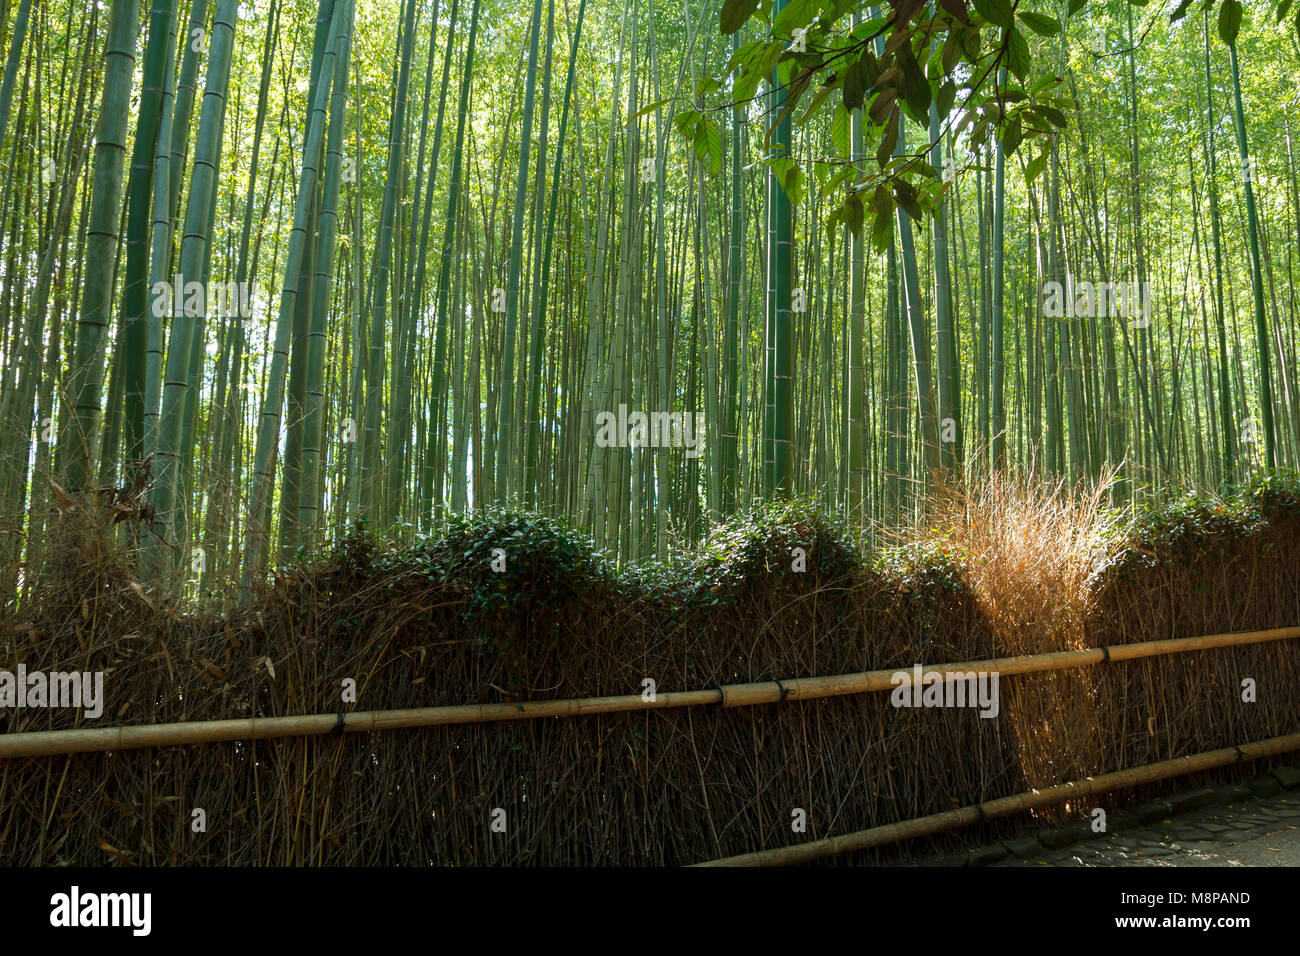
(84, 740)
(1007, 806)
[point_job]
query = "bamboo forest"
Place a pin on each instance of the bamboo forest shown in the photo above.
(273, 269)
(646, 433)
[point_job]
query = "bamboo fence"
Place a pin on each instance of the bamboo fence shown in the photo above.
(1007, 806)
(85, 740)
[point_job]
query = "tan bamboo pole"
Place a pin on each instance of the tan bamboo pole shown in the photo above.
(1006, 806)
(83, 740)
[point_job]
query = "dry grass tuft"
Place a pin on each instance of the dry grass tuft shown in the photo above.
(1028, 548)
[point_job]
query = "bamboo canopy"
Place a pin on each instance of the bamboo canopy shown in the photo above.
(1006, 806)
(85, 740)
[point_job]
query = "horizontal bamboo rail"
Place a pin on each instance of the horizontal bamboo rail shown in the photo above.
(85, 740)
(1006, 806)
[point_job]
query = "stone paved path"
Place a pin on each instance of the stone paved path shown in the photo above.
(1250, 833)
(1226, 826)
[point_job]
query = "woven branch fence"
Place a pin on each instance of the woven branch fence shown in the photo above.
(630, 787)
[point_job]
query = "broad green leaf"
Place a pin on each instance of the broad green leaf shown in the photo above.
(780, 166)
(735, 13)
(1229, 21)
(853, 215)
(818, 98)
(882, 228)
(1018, 59)
(889, 139)
(1053, 114)
(648, 108)
(1076, 6)
(745, 55)
(944, 99)
(840, 130)
(957, 8)
(951, 51)
(686, 121)
(996, 12)
(854, 83)
(708, 145)
(1035, 167)
(916, 90)
(797, 13)
(1042, 25)
(1011, 138)
(793, 186)
(880, 106)
(905, 196)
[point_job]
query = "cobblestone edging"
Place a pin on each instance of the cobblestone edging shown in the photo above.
(1153, 830)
